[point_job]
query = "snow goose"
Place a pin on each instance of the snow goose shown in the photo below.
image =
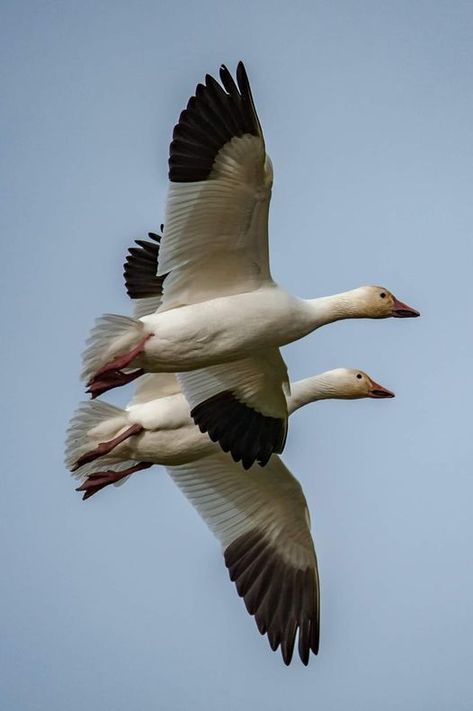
(221, 316)
(106, 444)
(260, 516)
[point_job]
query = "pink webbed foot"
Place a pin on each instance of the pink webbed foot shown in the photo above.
(106, 447)
(111, 375)
(98, 385)
(100, 480)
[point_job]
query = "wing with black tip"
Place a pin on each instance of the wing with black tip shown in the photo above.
(260, 517)
(215, 241)
(242, 405)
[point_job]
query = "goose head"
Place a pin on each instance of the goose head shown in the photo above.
(352, 384)
(378, 302)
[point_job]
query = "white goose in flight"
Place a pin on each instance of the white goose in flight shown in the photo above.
(260, 516)
(222, 317)
(105, 444)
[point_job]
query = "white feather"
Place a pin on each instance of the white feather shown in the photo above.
(258, 381)
(233, 501)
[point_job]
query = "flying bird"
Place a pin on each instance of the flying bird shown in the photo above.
(221, 317)
(260, 516)
(208, 323)
(106, 444)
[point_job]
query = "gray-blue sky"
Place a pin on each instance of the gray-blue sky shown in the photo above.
(123, 602)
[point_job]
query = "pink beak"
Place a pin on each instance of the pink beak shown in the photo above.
(401, 310)
(378, 391)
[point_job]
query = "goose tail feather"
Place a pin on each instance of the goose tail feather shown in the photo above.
(94, 422)
(111, 336)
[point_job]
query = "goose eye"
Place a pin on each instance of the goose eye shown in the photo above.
(383, 295)
(359, 376)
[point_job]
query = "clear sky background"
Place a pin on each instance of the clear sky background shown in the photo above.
(123, 602)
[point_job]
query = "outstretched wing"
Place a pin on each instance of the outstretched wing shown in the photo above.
(216, 243)
(242, 404)
(215, 240)
(260, 517)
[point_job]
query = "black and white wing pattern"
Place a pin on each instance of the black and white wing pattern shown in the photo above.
(242, 405)
(261, 519)
(215, 241)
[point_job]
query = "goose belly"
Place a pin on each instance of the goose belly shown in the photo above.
(169, 446)
(221, 330)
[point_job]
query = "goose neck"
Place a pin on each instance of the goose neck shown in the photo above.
(327, 309)
(309, 390)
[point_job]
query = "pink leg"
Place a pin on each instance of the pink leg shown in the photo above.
(110, 375)
(106, 447)
(100, 480)
(122, 361)
(110, 380)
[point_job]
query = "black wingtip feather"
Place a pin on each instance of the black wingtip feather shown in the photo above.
(141, 267)
(214, 115)
(283, 600)
(247, 434)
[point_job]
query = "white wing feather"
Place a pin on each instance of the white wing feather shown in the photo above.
(233, 501)
(215, 240)
(154, 386)
(261, 519)
(259, 381)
